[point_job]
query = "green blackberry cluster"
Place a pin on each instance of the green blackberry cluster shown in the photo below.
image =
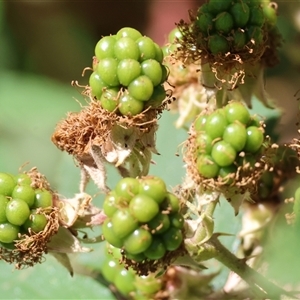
(223, 136)
(19, 207)
(232, 25)
(143, 219)
(128, 73)
(125, 279)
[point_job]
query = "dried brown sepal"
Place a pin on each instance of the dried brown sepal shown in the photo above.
(30, 248)
(39, 181)
(93, 124)
(95, 136)
(148, 266)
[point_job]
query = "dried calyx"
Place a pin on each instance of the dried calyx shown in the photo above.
(95, 136)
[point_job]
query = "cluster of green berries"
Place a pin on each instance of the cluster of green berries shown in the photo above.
(128, 72)
(229, 25)
(222, 136)
(125, 280)
(143, 218)
(19, 202)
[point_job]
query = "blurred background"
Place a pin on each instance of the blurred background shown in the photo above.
(44, 45)
(57, 38)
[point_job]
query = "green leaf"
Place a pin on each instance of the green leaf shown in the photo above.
(50, 280)
(30, 108)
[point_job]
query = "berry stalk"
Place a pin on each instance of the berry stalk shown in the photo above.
(262, 286)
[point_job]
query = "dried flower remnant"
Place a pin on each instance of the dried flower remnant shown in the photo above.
(95, 136)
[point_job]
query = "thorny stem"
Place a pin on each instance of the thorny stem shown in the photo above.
(256, 281)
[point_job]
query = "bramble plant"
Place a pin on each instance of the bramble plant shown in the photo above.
(159, 241)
